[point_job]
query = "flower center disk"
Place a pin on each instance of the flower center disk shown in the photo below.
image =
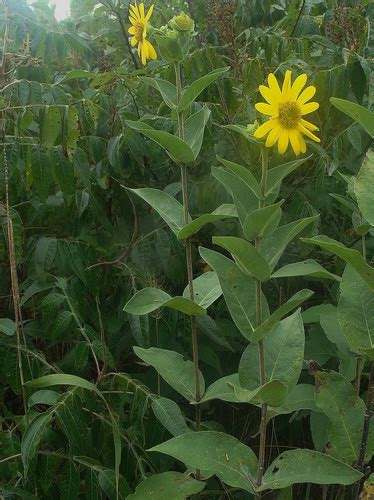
(289, 114)
(139, 31)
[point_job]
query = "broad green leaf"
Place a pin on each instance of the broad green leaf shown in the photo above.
(276, 175)
(165, 205)
(353, 257)
(244, 198)
(246, 256)
(139, 326)
(50, 126)
(169, 48)
(307, 466)
(194, 128)
(272, 393)
(43, 397)
(307, 268)
(194, 90)
(266, 327)
(364, 187)
(167, 89)
(225, 211)
(71, 130)
(245, 175)
(239, 290)
(169, 414)
(7, 326)
(337, 398)
(148, 300)
(32, 437)
(221, 454)
(206, 289)
(262, 222)
(301, 397)
(284, 355)
(213, 331)
(357, 112)
(177, 372)
(76, 74)
(167, 486)
(222, 389)
(273, 246)
(356, 313)
(177, 149)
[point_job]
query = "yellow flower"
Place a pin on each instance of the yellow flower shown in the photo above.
(139, 21)
(286, 109)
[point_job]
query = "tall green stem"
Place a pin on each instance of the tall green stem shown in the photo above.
(368, 413)
(188, 244)
(261, 348)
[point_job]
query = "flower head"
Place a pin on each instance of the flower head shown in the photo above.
(138, 30)
(286, 108)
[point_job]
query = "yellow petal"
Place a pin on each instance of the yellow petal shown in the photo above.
(270, 96)
(273, 85)
(298, 85)
(264, 129)
(149, 13)
(309, 125)
(306, 95)
(302, 144)
(151, 53)
(140, 48)
(132, 30)
(273, 136)
(283, 141)
(266, 109)
(309, 134)
(132, 20)
(134, 11)
(295, 142)
(287, 82)
(309, 108)
(141, 10)
(133, 41)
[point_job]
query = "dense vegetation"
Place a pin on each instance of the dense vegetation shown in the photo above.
(185, 312)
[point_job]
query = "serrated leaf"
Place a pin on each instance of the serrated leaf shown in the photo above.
(32, 437)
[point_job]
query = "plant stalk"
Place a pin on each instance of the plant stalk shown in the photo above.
(261, 348)
(188, 245)
(365, 432)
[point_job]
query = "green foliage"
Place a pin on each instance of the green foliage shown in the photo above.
(147, 341)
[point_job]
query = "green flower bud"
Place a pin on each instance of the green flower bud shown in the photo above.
(182, 23)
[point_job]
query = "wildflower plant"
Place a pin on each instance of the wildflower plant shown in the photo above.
(270, 367)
